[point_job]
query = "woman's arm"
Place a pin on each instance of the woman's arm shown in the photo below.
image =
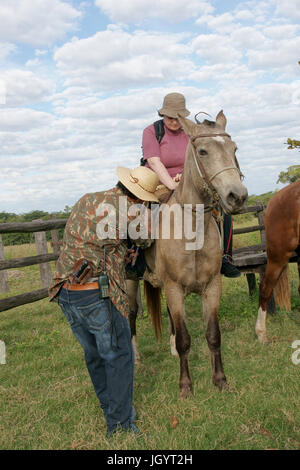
(156, 165)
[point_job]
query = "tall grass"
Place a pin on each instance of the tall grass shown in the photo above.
(47, 400)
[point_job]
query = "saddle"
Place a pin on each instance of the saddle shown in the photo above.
(162, 193)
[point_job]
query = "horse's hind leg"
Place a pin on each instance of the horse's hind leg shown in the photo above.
(210, 301)
(132, 288)
(270, 278)
(298, 264)
(175, 301)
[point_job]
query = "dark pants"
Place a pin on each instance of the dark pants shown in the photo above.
(228, 229)
(109, 356)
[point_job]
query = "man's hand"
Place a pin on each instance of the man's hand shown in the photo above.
(131, 256)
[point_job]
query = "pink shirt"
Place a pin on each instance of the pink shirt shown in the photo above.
(171, 149)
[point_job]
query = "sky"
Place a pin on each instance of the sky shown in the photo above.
(80, 80)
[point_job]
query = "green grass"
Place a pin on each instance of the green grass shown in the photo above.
(47, 400)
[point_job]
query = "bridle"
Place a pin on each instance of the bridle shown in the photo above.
(201, 170)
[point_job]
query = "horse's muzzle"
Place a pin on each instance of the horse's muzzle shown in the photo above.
(235, 200)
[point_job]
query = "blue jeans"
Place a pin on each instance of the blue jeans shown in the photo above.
(108, 352)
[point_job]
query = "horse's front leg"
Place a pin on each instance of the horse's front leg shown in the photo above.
(132, 289)
(175, 301)
(211, 301)
(174, 351)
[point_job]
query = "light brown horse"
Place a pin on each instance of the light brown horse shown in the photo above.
(211, 176)
(282, 224)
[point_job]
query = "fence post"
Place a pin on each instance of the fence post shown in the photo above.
(251, 283)
(4, 286)
(260, 216)
(55, 238)
(41, 249)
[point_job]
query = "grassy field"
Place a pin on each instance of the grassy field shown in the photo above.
(47, 400)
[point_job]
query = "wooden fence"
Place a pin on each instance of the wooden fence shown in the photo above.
(39, 228)
(249, 259)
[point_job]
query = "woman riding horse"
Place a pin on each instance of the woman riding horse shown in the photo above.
(210, 177)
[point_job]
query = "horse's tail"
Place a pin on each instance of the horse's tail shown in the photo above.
(282, 290)
(153, 296)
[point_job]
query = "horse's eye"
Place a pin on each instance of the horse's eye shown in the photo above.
(202, 152)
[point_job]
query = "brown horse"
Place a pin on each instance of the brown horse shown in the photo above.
(211, 176)
(282, 224)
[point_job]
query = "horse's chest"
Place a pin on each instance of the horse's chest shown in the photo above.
(196, 271)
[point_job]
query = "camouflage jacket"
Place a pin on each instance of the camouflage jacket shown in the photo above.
(82, 239)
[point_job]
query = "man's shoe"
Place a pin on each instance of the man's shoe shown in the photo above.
(228, 269)
(131, 427)
(134, 429)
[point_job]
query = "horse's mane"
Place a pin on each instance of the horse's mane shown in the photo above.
(163, 199)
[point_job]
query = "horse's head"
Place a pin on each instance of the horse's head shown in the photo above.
(211, 154)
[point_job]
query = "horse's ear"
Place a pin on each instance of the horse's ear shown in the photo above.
(187, 125)
(221, 119)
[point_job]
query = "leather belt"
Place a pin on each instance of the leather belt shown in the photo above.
(86, 286)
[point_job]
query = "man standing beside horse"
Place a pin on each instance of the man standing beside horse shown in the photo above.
(90, 286)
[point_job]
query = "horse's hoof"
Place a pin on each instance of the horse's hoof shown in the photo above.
(221, 383)
(263, 340)
(225, 387)
(185, 392)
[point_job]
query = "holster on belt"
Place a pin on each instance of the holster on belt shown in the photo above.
(82, 271)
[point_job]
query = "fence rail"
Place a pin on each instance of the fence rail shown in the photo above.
(34, 226)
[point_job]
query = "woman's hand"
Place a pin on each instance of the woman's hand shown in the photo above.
(177, 178)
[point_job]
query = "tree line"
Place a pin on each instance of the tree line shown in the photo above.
(21, 238)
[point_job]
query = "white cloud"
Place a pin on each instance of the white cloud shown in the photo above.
(276, 53)
(285, 31)
(36, 22)
(224, 23)
(288, 8)
(216, 48)
(13, 119)
(39, 52)
(6, 48)
(137, 10)
(23, 87)
(244, 15)
(247, 37)
(115, 59)
(33, 63)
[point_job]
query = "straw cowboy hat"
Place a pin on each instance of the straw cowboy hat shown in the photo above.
(141, 182)
(174, 105)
